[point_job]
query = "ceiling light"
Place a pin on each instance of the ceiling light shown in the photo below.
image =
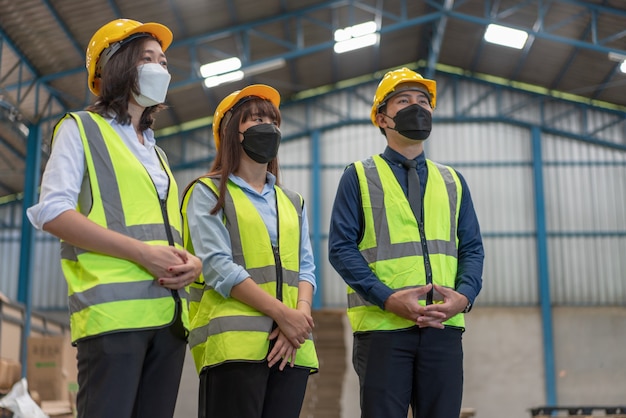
(355, 37)
(505, 36)
(266, 66)
(229, 70)
(621, 58)
(216, 80)
(220, 67)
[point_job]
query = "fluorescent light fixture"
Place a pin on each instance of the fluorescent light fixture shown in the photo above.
(229, 70)
(355, 37)
(266, 66)
(621, 58)
(216, 80)
(505, 36)
(220, 67)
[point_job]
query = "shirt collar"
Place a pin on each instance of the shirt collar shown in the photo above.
(395, 157)
(270, 181)
(148, 135)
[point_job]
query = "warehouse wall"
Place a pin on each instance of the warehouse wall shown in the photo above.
(535, 166)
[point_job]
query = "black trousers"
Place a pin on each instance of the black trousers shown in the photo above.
(134, 374)
(421, 367)
(251, 390)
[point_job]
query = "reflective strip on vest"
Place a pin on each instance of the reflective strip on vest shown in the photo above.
(108, 294)
(224, 329)
(391, 244)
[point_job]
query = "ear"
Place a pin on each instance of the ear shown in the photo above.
(381, 120)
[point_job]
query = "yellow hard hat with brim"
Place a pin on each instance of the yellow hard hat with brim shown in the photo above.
(117, 31)
(390, 82)
(255, 90)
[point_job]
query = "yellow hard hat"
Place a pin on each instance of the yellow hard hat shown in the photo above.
(116, 31)
(256, 90)
(392, 79)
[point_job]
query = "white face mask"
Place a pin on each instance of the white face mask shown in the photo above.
(153, 83)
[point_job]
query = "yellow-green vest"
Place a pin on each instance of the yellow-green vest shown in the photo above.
(391, 241)
(225, 329)
(109, 294)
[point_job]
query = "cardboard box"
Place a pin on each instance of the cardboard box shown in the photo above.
(10, 373)
(57, 409)
(50, 367)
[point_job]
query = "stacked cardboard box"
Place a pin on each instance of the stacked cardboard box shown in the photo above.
(51, 372)
(51, 360)
(10, 373)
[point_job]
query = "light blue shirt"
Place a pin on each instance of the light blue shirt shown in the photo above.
(211, 240)
(65, 170)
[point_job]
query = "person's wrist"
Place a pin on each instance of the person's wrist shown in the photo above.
(467, 308)
(304, 301)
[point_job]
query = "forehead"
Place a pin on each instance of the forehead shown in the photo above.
(413, 87)
(151, 45)
(408, 93)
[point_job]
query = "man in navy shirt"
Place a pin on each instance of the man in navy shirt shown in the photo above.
(405, 238)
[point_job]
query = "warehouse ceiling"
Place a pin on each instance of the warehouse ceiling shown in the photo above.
(573, 47)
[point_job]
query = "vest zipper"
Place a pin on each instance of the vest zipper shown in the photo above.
(170, 240)
(279, 273)
(427, 267)
(166, 221)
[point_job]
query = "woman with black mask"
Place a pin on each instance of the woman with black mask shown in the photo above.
(250, 311)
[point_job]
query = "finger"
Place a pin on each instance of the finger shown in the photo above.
(295, 342)
(288, 358)
(274, 355)
(424, 289)
(427, 322)
(293, 358)
(283, 363)
(274, 334)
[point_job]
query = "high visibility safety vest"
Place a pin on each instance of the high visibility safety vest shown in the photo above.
(109, 294)
(225, 329)
(391, 242)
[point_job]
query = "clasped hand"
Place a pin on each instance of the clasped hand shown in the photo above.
(174, 268)
(405, 303)
(294, 328)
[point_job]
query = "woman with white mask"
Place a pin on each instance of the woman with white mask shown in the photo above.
(109, 195)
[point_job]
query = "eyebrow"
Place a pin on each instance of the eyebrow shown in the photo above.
(407, 94)
(152, 51)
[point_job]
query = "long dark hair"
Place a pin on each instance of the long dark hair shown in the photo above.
(119, 81)
(230, 150)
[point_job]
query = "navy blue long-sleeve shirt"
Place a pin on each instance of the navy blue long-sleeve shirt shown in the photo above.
(346, 231)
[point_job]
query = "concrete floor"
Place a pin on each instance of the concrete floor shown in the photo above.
(187, 403)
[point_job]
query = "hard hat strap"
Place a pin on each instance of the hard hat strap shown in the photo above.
(108, 52)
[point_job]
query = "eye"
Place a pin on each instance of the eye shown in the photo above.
(163, 63)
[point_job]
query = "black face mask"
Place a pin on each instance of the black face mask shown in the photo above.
(261, 142)
(414, 122)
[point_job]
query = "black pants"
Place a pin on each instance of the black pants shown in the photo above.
(251, 390)
(420, 367)
(134, 374)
